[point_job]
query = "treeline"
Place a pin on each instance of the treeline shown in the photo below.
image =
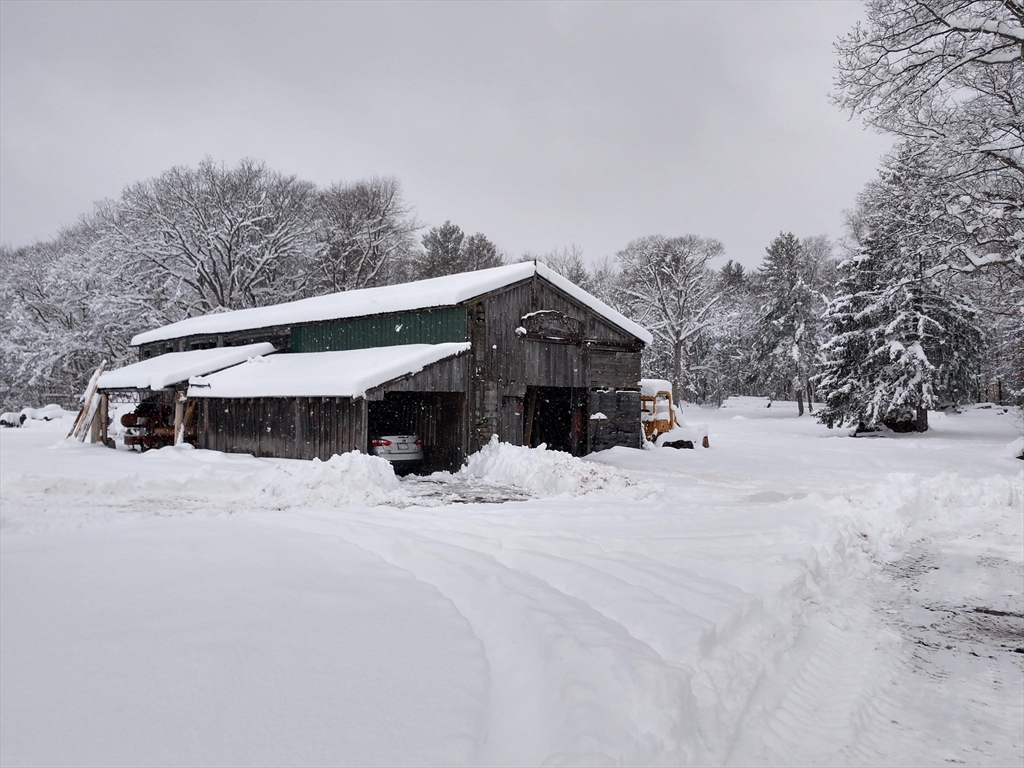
(211, 239)
(199, 240)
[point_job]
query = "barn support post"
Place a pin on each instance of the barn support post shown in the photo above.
(179, 417)
(98, 426)
(528, 429)
(104, 417)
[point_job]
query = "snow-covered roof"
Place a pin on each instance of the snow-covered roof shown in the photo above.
(423, 294)
(651, 387)
(349, 373)
(165, 370)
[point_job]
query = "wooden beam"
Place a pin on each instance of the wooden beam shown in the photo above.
(104, 417)
(528, 429)
(179, 413)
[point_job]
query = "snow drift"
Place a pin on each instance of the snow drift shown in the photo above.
(352, 478)
(541, 472)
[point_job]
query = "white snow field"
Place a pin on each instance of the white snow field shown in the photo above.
(789, 596)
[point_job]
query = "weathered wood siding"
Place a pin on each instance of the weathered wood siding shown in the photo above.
(278, 336)
(547, 296)
(622, 423)
(511, 419)
(289, 428)
(613, 368)
(574, 347)
(450, 375)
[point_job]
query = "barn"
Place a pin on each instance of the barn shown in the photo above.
(516, 351)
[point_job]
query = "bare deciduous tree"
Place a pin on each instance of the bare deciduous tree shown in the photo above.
(665, 284)
(215, 237)
(948, 77)
(568, 262)
(365, 235)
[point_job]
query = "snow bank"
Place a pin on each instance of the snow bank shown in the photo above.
(50, 417)
(892, 510)
(541, 472)
(350, 479)
(46, 413)
(1015, 449)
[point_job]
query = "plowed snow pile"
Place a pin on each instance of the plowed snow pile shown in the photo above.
(356, 478)
(352, 478)
(541, 472)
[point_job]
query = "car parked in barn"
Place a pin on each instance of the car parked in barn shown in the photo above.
(405, 452)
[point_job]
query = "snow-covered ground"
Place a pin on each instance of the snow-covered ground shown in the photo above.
(788, 596)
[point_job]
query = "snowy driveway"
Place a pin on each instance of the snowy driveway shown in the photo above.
(785, 597)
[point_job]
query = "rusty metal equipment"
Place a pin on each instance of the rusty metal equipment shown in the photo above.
(656, 413)
(151, 424)
(659, 416)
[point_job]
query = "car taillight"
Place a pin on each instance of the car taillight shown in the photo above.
(380, 443)
(417, 441)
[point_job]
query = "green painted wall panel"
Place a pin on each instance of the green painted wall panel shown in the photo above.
(428, 326)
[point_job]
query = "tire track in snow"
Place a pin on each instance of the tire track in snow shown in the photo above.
(910, 662)
(604, 651)
(960, 679)
(568, 684)
(823, 694)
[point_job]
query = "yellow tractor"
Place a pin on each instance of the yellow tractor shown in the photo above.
(656, 412)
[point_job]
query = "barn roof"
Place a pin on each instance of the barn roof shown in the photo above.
(165, 370)
(348, 373)
(423, 294)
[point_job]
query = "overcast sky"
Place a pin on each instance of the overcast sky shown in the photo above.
(540, 125)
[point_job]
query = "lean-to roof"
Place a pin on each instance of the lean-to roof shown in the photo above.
(348, 373)
(165, 370)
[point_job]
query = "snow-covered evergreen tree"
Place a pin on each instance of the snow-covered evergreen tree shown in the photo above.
(847, 375)
(845, 378)
(480, 253)
(447, 251)
(786, 342)
(903, 338)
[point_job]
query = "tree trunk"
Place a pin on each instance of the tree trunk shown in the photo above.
(677, 371)
(921, 420)
(810, 398)
(799, 401)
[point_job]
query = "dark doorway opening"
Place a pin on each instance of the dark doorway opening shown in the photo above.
(437, 418)
(557, 417)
